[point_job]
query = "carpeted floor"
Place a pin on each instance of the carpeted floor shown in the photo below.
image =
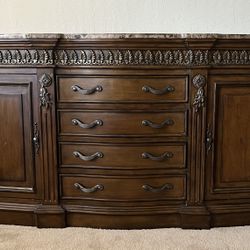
(29, 238)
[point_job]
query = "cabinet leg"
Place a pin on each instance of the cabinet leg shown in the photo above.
(50, 216)
(196, 217)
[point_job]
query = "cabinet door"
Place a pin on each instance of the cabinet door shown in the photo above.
(228, 137)
(18, 118)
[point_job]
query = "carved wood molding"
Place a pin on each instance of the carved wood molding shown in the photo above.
(197, 168)
(26, 57)
(152, 57)
(113, 57)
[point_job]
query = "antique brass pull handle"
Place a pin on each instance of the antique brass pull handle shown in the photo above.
(88, 157)
(35, 139)
(165, 187)
(93, 124)
(162, 157)
(167, 122)
(154, 91)
(83, 91)
(209, 139)
(97, 187)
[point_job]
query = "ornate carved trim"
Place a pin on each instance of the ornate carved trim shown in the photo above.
(152, 57)
(131, 57)
(26, 57)
(113, 57)
(45, 81)
(199, 82)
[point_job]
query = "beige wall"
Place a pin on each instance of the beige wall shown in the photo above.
(90, 16)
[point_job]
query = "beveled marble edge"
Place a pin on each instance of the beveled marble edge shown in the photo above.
(122, 36)
(153, 35)
(30, 36)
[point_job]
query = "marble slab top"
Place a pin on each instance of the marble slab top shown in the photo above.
(123, 36)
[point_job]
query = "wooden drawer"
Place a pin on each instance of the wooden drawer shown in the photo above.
(123, 188)
(108, 123)
(134, 89)
(168, 156)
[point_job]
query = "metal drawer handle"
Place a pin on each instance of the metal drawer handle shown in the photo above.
(165, 187)
(88, 157)
(93, 124)
(97, 187)
(162, 157)
(154, 91)
(83, 91)
(36, 140)
(167, 122)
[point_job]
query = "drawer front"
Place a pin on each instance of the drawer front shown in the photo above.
(115, 124)
(150, 89)
(122, 188)
(168, 156)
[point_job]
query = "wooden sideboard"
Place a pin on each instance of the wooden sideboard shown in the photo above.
(125, 131)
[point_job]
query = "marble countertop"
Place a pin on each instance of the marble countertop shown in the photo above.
(122, 36)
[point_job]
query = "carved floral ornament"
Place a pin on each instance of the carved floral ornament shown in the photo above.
(182, 57)
(45, 81)
(199, 81)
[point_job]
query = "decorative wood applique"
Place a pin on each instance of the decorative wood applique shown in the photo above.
(26, 56)
(151, 57)
(182, 57)
(199, 82)
(45, 81)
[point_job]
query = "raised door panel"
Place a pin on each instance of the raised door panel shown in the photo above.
(228, 154)
(17, 118)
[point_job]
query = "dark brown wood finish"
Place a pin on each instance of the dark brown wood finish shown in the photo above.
(228, 137)
(120, 156)
(108, 123)
(123, 189)
(125, 133)
(19, 123)
(123, 89)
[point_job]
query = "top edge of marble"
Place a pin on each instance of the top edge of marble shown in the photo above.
(122, 36)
